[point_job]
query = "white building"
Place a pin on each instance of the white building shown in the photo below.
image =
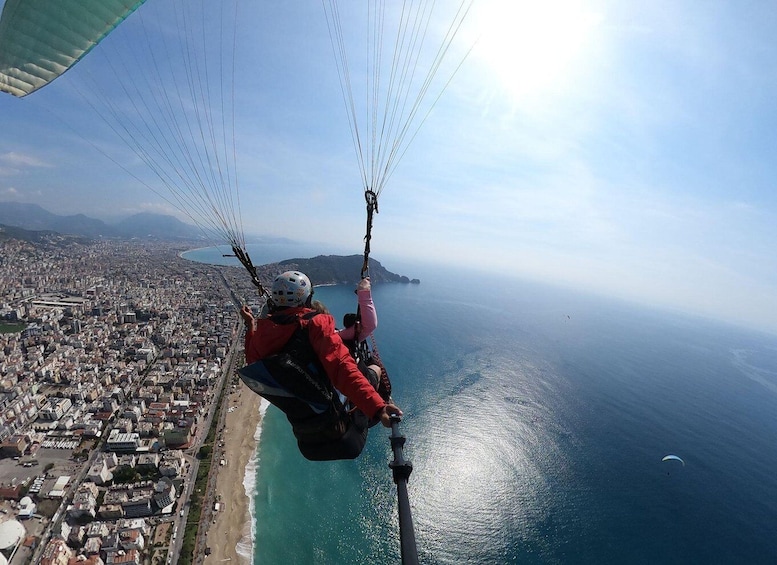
(12, 533)
(118, 441)
(99, 473)
(54, 409)
(26, 508)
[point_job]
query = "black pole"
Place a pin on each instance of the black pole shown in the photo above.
(402, 469)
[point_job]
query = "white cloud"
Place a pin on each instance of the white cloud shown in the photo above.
(18, 160)
(155, 208)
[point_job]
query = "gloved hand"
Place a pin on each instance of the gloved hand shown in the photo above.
(364, 284)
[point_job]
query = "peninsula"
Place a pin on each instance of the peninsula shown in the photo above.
(339, 269)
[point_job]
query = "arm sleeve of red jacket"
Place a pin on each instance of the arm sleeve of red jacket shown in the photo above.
(341, 367)
(250, 355)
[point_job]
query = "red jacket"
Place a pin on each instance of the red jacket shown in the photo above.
(267, 338)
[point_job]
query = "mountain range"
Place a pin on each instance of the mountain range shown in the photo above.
(32, 217)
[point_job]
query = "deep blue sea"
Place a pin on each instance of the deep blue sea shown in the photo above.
(536, 420)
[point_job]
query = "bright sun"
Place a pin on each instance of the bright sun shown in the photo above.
(530, 45)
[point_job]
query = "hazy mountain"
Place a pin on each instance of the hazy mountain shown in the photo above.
(157, 225)
(43, 237)
(35, 218)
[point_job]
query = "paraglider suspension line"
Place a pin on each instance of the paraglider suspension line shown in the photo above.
(401, 469)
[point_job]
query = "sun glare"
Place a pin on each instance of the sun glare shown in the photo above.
(530, 46)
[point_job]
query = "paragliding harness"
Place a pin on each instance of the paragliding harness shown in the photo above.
(295, 381)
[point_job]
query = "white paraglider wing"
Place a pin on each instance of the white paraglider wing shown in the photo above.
(673, 458)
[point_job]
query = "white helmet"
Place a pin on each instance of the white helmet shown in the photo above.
(291, 288)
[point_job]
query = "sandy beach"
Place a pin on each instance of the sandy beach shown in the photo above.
(232, 521)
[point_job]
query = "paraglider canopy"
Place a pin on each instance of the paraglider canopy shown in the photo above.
(673, 458)
(167, 92)
(40, 40)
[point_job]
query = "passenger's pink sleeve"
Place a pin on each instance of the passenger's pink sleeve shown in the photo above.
(369, 317)
(368, 312)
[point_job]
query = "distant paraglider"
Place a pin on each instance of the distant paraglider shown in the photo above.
(673, 458)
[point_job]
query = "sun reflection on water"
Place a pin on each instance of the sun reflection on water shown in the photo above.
(485, 459)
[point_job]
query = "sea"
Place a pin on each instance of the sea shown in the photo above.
(537, 419)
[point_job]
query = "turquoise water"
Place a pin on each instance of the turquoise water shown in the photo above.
(536, 422)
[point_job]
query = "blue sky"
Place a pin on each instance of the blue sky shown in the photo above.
(623, 148)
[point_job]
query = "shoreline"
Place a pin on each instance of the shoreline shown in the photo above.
(218, 262)
(230, 536)
(195, 249)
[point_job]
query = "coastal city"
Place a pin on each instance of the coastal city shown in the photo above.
(116, 367)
